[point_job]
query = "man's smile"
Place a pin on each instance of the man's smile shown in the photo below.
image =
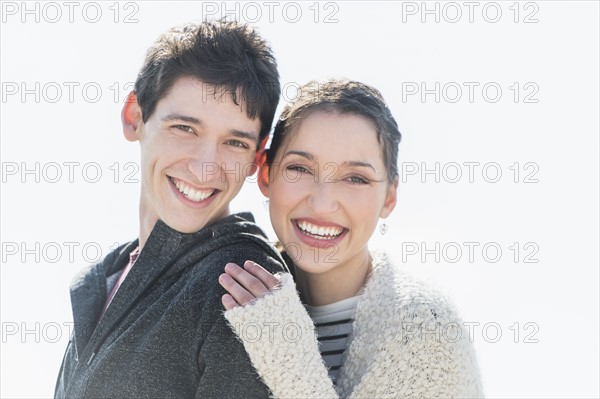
(191, 193)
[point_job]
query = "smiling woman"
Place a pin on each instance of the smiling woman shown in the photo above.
(330, 175)
(330, 196)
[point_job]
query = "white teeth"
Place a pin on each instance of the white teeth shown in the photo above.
(319, 231)
(191, 193)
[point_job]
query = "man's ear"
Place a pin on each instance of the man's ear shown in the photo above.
(260, 157)
(131, 117)
(263, 169)
(263, 179)
(390, 200)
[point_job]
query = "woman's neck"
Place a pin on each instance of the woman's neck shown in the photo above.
(344, 281)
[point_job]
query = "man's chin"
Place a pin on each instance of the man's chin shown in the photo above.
(185, 227)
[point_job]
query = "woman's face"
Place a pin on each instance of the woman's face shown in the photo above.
(327, 189)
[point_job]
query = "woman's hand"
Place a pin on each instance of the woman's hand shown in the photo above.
(245, 285)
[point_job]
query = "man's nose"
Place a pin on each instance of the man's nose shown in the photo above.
(205, 162)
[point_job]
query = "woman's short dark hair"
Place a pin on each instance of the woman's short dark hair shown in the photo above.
(344, 97)
(225, 54)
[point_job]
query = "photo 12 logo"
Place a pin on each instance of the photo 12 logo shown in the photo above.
(65, 92)
(469, 92)
(490, 332)
(69, 172)
(469, 172)
(453, 12)
(272, 11)
(468, 251)
(53, 12)
(36, 332)
(68, 252)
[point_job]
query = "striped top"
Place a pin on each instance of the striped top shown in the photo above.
(334, 327)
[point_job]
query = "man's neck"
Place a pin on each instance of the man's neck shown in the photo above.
(147, 223)
(148, 219)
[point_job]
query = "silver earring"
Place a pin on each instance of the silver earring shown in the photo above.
(383, 228)
(266, 204)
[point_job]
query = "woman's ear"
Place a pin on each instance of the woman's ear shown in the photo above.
(131, 117)
(390, 200)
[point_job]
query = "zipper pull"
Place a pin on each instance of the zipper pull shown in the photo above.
(91, 358)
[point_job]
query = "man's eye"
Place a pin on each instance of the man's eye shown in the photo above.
(237, 143)
(185, 128)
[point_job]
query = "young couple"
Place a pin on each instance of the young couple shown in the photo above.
(149, 318)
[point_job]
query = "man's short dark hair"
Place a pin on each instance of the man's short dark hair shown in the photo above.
(228, 55)
(343, 97)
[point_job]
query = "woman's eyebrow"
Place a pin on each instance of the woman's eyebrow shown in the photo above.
(310, 157)
(360, 164)
(303, 154)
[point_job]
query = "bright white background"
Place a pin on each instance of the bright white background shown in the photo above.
(550, 130)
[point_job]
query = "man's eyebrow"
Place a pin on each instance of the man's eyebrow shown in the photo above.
(184, 118)
(196, 121)
(303, 154)
(245, 135)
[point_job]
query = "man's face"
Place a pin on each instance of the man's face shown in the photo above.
(196, 150)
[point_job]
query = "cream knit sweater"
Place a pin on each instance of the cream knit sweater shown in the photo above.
(407, 342)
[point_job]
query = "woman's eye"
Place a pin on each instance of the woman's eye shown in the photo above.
(237, 143)
(298, 169)
(357, 180)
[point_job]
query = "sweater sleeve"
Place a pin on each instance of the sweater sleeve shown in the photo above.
(280, 339)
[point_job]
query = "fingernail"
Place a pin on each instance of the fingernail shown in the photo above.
(230, 267)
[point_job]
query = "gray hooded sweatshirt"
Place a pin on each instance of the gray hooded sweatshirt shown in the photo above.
(164, 334)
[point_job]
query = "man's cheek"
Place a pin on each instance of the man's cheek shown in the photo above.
(239, 170)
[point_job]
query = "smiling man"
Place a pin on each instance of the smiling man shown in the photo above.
(148, 318)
